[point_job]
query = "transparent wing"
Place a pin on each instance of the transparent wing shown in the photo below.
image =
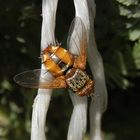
(39, 79)
(77, 42)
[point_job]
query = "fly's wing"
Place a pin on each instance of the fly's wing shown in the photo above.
(39, 79)
(77, 42)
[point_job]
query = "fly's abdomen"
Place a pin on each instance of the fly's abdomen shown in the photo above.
(58, 60)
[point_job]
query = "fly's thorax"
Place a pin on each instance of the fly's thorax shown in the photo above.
(57, 60)
(76, 79)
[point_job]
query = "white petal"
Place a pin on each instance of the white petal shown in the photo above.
(85, 9)
(78, 120)
(43, 97)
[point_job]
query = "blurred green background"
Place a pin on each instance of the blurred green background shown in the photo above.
(117, 29)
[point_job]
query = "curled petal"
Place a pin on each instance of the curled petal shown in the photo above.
(42, 100)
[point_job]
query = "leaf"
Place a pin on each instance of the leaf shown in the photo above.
(134, 34)
(136, 55)
(130, 12)
(128, 2)
(5, 84)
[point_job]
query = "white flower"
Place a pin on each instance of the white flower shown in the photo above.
(85, 9)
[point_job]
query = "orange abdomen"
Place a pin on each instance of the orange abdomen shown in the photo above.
(57, 60)
(53, 67)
